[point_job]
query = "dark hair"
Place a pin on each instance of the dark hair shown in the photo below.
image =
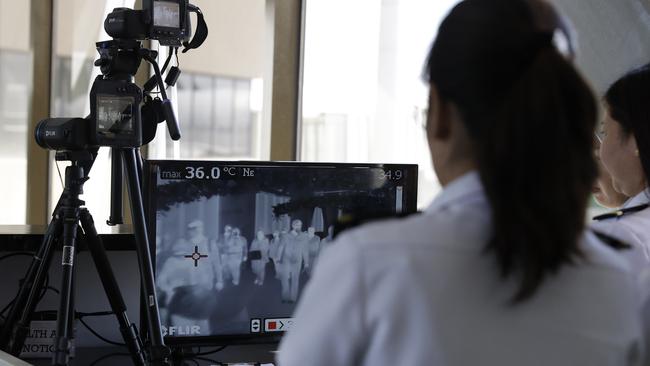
(531, 117)
(628, 102)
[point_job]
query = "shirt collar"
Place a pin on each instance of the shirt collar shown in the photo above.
(467, 185)
(639, 199)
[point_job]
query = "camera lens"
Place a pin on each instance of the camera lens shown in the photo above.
(39, 134)
(61, 133)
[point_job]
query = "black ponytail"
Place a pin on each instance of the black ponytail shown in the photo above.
(531, 117)
(628, 102)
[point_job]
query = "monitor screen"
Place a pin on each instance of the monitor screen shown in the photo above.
(236, 242)
(115, 114)
(166, 14)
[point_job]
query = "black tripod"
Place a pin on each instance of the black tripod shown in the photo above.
(63, 229)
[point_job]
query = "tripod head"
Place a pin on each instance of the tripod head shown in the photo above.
(117, 104)
(82, 161)
(77, 157)
(119, 59)
(118, 62)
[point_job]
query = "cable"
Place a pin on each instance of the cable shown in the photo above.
(208, 359)
(97, 313)
(197, 355)
(46, 287)
(91, 330)
(169, 57)
(6, 256)
(219, 349)
(58, 170)
(15, 254)
(40, 297)
(4, 310)
(80, 316)
(162, 71)
(104, 357)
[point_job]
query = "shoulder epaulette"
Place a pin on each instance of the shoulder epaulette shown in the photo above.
(611, 241)
(621, 212)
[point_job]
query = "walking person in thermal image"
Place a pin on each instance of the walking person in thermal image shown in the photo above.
(236, 253)
(294, 255)
(196, 236)
(259, 254)
(222, 245)
(198, 243)
(274, 250)
(218, 267)
(313, 248)
(327, 241)
(180, 270)
(181, 276)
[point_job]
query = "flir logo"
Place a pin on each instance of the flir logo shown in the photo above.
(181, 330)
(49, 133)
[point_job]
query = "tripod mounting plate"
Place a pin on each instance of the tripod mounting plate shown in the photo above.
(76, 155)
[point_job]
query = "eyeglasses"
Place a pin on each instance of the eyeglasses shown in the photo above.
(600, 132)
(599, 136)
(422, 117)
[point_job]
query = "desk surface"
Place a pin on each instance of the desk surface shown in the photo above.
(110, 356)
(28, 237)
(40, 229)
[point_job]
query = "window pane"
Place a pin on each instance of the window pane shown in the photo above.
(221, 89)
(15, 94)
(78, 24)
(363, 96)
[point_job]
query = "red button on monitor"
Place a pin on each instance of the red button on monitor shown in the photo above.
(277, 324)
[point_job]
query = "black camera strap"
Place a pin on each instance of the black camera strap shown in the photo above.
(201, 30)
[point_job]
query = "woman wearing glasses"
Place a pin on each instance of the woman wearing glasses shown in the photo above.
(625, 154)
(499, 270)
(604, 192)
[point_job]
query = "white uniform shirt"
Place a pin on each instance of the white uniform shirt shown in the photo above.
(634, 229)
(422, 291)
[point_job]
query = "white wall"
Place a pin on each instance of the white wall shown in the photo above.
(613, 36)
(14, 25)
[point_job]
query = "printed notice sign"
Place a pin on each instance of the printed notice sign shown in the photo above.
(40, 340)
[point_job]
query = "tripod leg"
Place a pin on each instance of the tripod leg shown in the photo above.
(14, 333)
(140, 166)
(111, 288)
(65, 316)
(117, 178)
(159, 353)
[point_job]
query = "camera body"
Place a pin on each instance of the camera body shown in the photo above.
(115, 105)
(115, 114)
(116, 102)
(115, 120)
(166, 21)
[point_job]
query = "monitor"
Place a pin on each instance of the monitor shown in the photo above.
(236, 242)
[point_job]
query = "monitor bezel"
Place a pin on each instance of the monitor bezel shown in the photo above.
(149, 201)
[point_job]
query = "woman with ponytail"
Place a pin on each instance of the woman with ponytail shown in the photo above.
(625, 154)
(499, 270)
